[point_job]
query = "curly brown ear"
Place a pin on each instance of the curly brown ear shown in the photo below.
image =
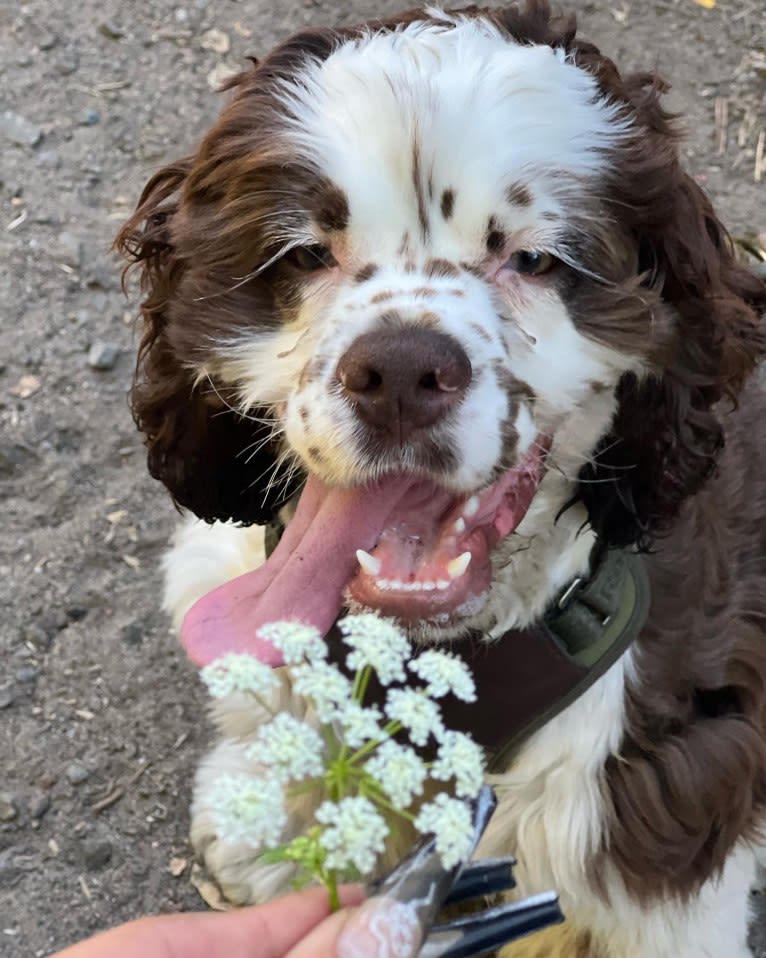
(668, 432)
(219, 464)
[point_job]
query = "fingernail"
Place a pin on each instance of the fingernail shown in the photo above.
(382, 928)
(395, 920)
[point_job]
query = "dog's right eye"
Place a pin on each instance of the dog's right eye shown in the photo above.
(311, 258)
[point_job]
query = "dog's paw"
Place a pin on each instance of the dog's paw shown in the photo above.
(236, 868)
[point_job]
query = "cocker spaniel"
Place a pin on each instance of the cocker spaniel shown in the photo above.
(436, 294)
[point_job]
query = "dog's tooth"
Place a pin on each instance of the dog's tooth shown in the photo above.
(460, 526)
(383, 584)
(457, 566)
(396, 584)
(471, 507)
(442, 584)
(369, 563)
(416, 586)
(429, 586)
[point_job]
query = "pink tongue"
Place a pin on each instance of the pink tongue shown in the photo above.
(304, 578)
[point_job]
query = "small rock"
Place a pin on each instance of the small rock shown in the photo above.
(7, 696)
(49, 158)
(13, 457)
(103, 356)
(39, 804)
(110, 30)
(23, 59)
(76, 773)
(69, 249)
(96, 854)
(47, 41)
(68, 61)
(132, 633)
(19, 130)
(26, 674)
(39, 636)
(75, 613)
(90, 117)
(8, 808)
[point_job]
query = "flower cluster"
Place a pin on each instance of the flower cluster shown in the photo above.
(352, 756)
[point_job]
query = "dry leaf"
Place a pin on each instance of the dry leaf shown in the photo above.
(177, 866)
(208, 891)
(27, 386)
(116, 516)
(215, 40)
(242, 30)
(220, 73)
(132, 561)
(707, 4)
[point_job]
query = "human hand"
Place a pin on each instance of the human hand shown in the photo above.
(296, 926)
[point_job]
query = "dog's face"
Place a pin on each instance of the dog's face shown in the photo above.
(426, 262)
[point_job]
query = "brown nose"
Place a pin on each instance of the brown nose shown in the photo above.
(401, 380)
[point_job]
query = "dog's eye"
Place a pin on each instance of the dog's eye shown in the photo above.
(311, 258)
(531, 262)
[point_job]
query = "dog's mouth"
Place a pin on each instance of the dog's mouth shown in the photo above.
(404, 546)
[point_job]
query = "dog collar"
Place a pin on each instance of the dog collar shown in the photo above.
(527, 676)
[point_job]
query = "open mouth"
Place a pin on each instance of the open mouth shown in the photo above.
(403, 545)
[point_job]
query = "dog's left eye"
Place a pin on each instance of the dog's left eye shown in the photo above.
(311, 258)
(531, 262)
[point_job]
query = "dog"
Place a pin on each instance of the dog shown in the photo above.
(436, 295)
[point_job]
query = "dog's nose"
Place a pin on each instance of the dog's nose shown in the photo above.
(402, 380)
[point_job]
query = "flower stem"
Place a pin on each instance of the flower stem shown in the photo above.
(331, 884)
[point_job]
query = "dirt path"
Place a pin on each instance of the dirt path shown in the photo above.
(100, 720)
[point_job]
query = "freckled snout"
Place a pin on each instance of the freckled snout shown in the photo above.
(403, 380)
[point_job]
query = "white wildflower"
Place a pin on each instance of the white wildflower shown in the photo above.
(326, 686)
(248, 810)
(290, 748)
(444, 672)
(459, 757)
(449, 820)
(355, 834)
(400, 772)
(295, 641)
(376, 642)
(360, 724)
(417, 713)
(238, 672)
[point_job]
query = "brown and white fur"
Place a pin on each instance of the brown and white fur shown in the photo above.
(422, 160)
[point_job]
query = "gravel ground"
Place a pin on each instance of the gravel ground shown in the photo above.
(101, 718)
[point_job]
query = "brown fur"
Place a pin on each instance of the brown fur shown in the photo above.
(680, 473)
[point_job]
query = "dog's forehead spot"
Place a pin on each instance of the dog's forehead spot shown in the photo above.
(366, 273)
(382, 296)
(441, 267)
(331, 208)
(519, 194)
(496, 238)
(447, 203)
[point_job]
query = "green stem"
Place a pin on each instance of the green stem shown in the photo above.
(331, 884)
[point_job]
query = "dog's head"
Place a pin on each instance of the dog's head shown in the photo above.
(411, 261)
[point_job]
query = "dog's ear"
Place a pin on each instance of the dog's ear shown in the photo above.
(215, 462)
(667, 431)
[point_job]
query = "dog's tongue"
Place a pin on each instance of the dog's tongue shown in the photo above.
(304, 578)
